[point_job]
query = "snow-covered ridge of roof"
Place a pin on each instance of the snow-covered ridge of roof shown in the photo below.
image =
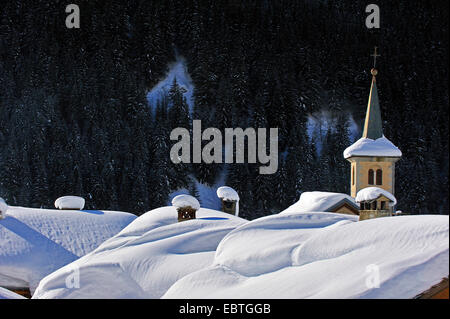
(317, 202)
(185, 201)
(372, 193)
(368, 147)
(35, 242)
(227, 193)
(284, 232)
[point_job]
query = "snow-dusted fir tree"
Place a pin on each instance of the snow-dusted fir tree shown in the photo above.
(160, 181)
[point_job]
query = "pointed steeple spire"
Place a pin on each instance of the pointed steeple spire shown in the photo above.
(373, 128)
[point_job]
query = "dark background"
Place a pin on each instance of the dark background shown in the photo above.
(74, 118)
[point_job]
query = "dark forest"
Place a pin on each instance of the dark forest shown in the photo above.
(74, 118)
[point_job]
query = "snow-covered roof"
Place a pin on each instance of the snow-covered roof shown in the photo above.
(70, 202)
(145, 258)
(227, 193)
(368, 147)
(297, 255)
(318, 202)
(318, 255)
(185, 201)
(36, 242)
(372, 193)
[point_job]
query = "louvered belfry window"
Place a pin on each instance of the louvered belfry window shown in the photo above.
(379, 177)
(371, 177)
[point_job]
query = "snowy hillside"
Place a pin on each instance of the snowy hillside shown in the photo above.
(207, 195)
(324, 255)
(145, 258)
(319, 123)
(36, 242)
(177, 70)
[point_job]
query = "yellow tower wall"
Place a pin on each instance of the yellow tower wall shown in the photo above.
(360, 167)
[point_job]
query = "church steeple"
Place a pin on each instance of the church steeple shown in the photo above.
(373, 156)
(373, 128)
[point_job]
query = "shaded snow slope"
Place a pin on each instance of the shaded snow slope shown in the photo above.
(145, 258)
(316, 202)
(7, 294)
(36, 242)
(317, 255)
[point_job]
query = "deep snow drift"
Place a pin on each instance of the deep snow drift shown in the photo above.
(217, 255)
(36, 242)
(324, 255)
(145, 258)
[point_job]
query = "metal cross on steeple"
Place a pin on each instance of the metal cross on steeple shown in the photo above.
(375, 55)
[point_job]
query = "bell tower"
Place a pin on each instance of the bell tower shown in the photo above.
(373, 156)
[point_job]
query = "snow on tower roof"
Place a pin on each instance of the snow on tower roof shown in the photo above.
(373, 142)
(185, 200)
(368, 147)
(227, 193)
(372, 193)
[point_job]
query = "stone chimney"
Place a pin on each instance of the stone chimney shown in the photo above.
(187, 207)
(70, 203)
(229, 199)
(3, 208)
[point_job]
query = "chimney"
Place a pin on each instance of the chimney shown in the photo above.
(229, 199)
(70, 203)
(3, 208)
(187, 207)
